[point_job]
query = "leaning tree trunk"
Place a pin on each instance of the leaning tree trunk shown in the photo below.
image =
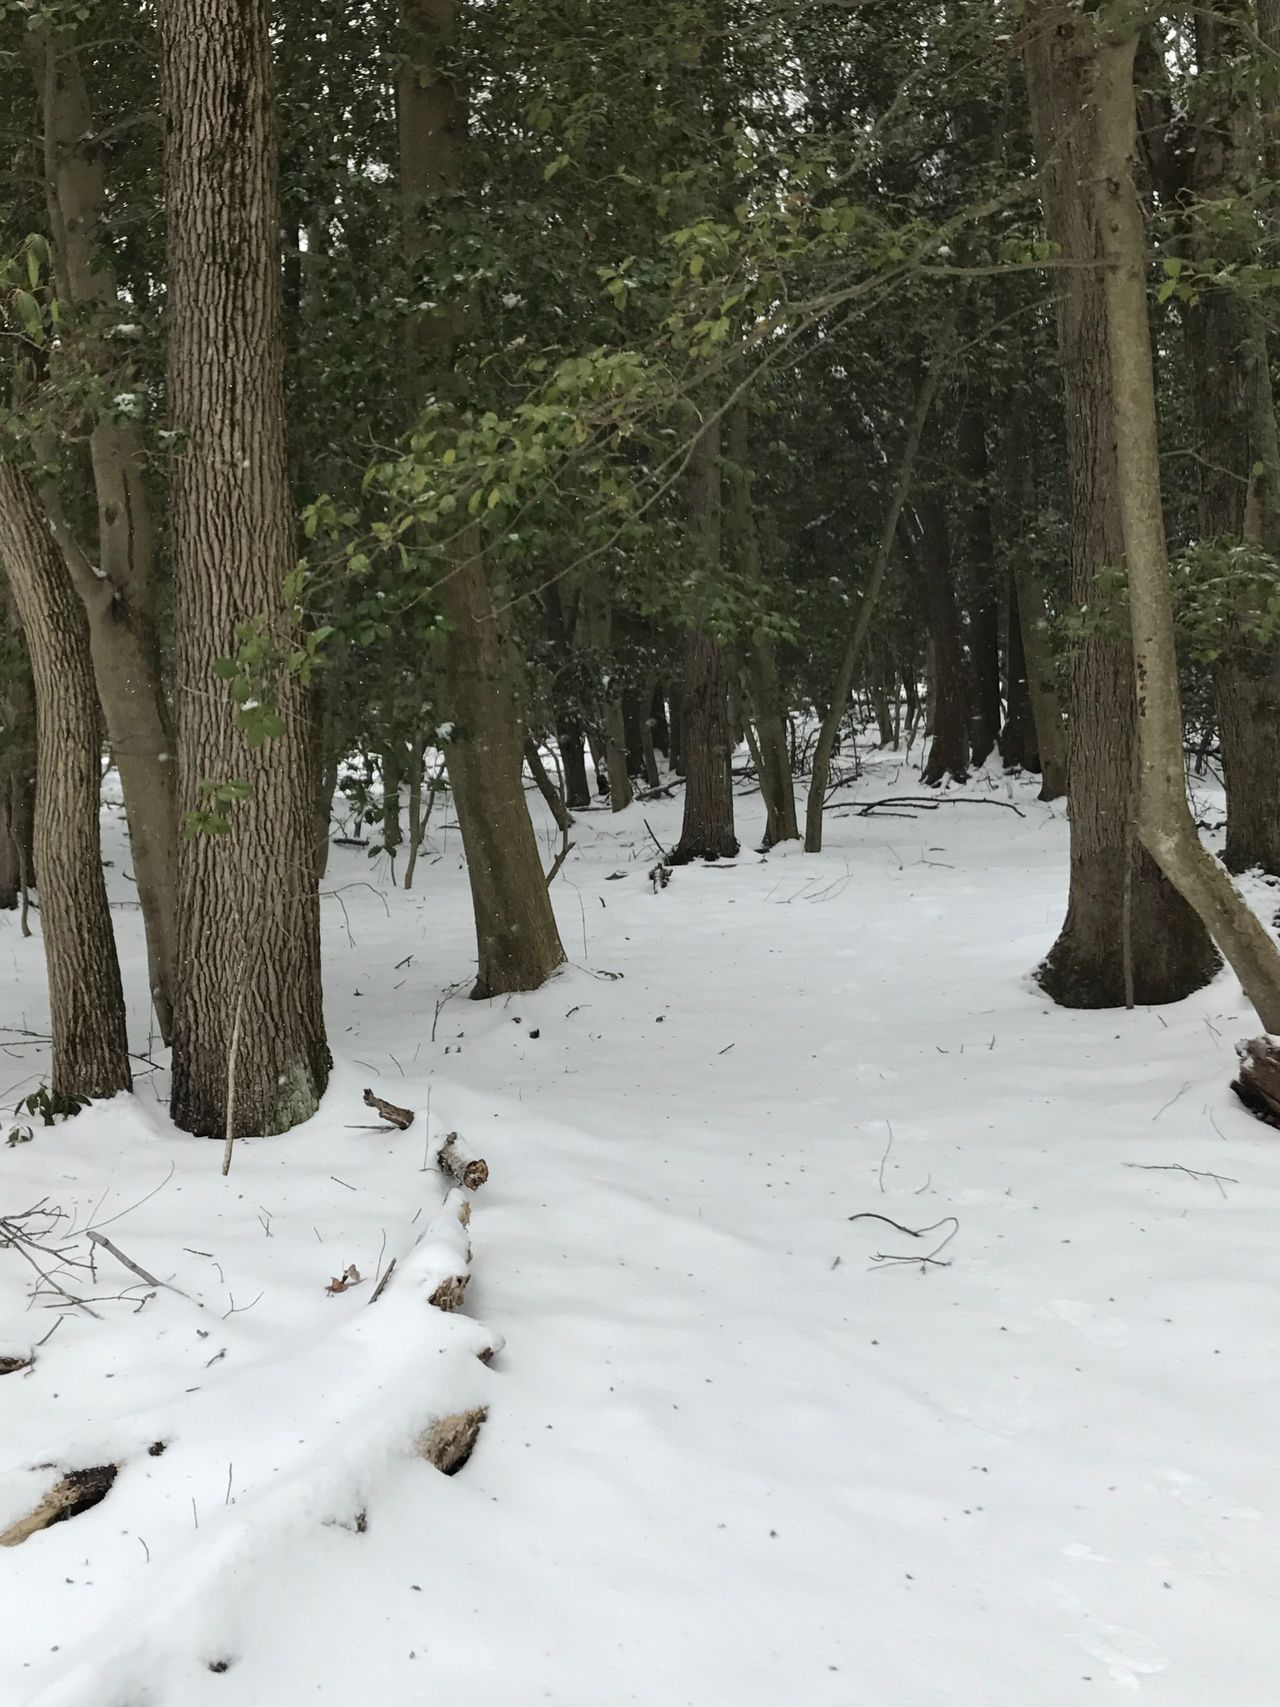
(117, 585)
(249, 1045)
(518, 944)
(1164, 819)
(90, 1043)
(707, 830)
(949, 751)
(764, 684)
(1128, 934)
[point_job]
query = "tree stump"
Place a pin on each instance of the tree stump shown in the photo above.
(1258, 1082)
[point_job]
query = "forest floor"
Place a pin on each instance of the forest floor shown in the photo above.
(738, 1454)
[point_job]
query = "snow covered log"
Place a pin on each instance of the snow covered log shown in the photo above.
(441, 1258)
(1257, 1083)
(77, 1491)
(453, 1158)
(449, 1441)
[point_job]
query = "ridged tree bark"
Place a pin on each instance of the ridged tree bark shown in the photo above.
(518, 943)
(768, 706)
(706, 830)
(1164, 819)
(249, 1050)
(90, 1043)
(1127, 933)
(117, 587)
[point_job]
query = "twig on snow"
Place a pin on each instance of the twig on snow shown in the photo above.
(1178, 1168)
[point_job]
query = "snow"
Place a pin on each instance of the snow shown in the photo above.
(730, 1460)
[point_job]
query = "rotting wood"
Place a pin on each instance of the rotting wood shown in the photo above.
(1257, 1083)
(391, 1112)
(78, 1491)
(14, 1365)
(454, 1159)
(448, 1442)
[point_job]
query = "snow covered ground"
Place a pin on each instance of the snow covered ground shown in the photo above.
(733, 1458)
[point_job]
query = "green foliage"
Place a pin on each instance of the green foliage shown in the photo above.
(51, 1106)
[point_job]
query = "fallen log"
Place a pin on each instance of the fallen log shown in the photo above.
(449, 1441)
(77, 1491)
(390, 1111)
(453, 1158)
(1257, 1082)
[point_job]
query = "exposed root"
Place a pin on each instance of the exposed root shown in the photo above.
(78, 1491)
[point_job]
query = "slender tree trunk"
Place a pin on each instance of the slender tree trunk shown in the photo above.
(834, 713)
(117, 587)
(417, 823)
(249, 1045)
(1120, 910)
(577, 789)
(518, 945)
(632, 707)
(1164, 819)
(1042, 685)
(658, 723)
(949, 752)
(648, 753)
(546, 788)
(675, 732)
(620, 791)
(392, 777)
(90, 1043)
(763, 682)
(984, 619)
(1018, 736)
(707, 831)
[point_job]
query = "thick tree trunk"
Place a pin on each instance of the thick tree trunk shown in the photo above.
(949, 752)
(249, 1044)
(518, 945)
(763, 682)
(90, 1044)
(1122, 915)
(620, 792)
(707, 830)
(117, 588)
(1164, 819)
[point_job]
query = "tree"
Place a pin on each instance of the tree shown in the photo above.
(249, 1044)
(90, 1044)
(1128, 935)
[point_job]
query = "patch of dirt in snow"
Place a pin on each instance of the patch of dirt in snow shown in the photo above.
(731, 1459)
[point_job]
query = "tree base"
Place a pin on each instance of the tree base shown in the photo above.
(1258, 1082)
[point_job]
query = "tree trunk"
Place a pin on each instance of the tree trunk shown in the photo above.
(546, 788)
(518, 945)
(633, 730)
(1042, 685)
(1018, 737)
(675, 735)
(392, 777)
(90, 1043)
(1164, 820)
(249, 1045)
(1239, 458)
(1121, 913)
(577, 790)
(707, 830)
(763, 682)
(659, 725)
(620, 792)
(834, 713)
(949, 752)
(984, 619)
(117, 587)
(417, 823)
(648, 753)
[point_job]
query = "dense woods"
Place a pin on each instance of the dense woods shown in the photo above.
(445, 399)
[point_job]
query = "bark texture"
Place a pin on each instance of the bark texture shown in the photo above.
(1121, 911)
(1164, 819)
(118, 588)
(90, 1045)
(518, 944)
(249, 1045)
(707, 829)
(949, 750)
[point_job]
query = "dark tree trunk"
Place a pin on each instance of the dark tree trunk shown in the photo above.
(546, 788)
(949, 751)
(249, 1050)
(984, 617)
(1018, 737)
(633, 731)
(658, 723)
(90, 1044)
(675, 733)
(707, 831)
(1120, 909)
(616, 757)
(576, 787)
(517, 940)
